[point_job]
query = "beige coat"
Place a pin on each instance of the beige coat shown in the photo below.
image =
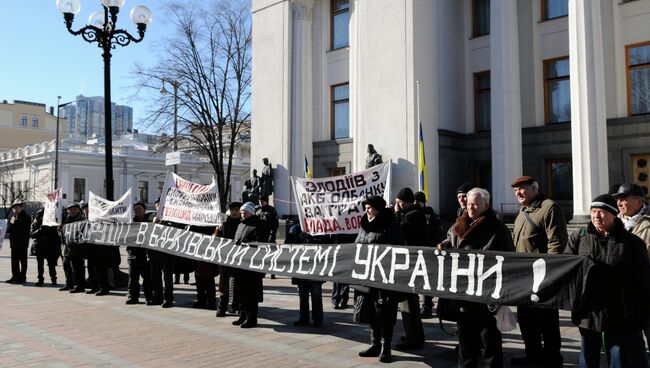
(549, 235)
(642, 229)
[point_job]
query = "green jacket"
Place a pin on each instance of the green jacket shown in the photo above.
(546, 231)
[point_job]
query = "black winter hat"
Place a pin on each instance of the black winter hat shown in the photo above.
(420, 197)
(234, 205)
(375, 202)
(464, 188)
(605, 202)
(406, 194)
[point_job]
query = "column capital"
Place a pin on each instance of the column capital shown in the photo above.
(302, 9)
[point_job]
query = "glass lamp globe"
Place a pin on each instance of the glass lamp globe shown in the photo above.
(141, 15)
(96, 19)
(68, 6)
(113, 3)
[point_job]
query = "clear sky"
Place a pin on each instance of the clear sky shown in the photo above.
(40, 60)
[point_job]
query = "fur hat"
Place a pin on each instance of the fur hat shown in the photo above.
(375, 201)
(605, 202)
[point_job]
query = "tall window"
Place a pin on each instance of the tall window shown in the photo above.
(638, 78)
(340, 24)
(340, 111)
(161, 184)
(552, 9)
(482, 110)
(480, 17)
(143, 190)
(23, 120)
(34, 121)
(557, 91)
(559, 179)
(79, 189)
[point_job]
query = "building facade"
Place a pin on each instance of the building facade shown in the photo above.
(28, 172)
(556, 89)
(23, 123)
(85, 118)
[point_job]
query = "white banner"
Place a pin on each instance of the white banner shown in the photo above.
(185, 202)
(333, 205)
(53, 211)
(101, 209)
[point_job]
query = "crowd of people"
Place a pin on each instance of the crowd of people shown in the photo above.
(612, 314)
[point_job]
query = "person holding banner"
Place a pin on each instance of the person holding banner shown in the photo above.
(161, 267)
(616, 304)
(138, 265)
(46, 240)
(227, 230)
(377, 307)
(73, 261)
(248, 284)
(18, 230)
(413, 227)
(478, 228)
(435, 236)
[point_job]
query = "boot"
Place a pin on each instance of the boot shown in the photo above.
(387, 337)
(241, 319)
(251, 318)
(375, 343)
(54, 281)
(40, 282)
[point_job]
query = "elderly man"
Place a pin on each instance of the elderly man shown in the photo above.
(615, 307)
(636, 218)
(19, 225)
(540, 227)
(478, 228)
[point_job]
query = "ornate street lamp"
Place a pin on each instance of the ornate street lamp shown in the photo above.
(101, 29)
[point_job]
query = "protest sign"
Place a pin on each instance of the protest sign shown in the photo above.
(53, 211)
(101, 209)
(506, 278)
(185, 202)
(333, 205)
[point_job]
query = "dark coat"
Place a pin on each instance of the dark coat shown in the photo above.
(413, 225)
(248, 284)
(46, 239)
(436, 234)
(230, 227)
(377, 306)
(18, 230)
(618, 287)
(71, 250)
(269, 215)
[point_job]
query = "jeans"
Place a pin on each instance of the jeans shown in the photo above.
(315, 288)
(623, 349)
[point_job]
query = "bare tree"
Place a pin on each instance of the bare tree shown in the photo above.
(13, 188)
(208, 58)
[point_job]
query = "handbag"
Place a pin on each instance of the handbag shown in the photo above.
(506, 320)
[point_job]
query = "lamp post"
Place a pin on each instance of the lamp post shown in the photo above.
(175, 85)
(101, 29)
(59, 105)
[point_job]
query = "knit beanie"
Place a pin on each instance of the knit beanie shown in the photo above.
(248, 207)
(464, 188)
(406, 195)
(605, 202)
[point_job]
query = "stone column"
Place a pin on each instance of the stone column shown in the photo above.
(588, 117)
(302, 116)
(505, 101)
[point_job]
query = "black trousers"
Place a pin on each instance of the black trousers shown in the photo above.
(226, 274)
(161, 267)
(76, 272)
(340, 294)
(537, 325)
(67, 271)
(413, 328)
(206, 291)
(138, 267)
(19, 263)
(477, 329)
(51, 265)
(98, 267)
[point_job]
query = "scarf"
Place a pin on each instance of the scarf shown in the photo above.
(630, 221)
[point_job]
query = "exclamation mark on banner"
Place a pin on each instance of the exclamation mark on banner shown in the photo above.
(539, 272)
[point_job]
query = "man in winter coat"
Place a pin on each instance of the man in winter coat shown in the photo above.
(268, 214)
(540, 227)
(138, 265)
(18, 229)
(248, 284)
(615, 306)
(161, 270)
(478, 228)
(635, 215)
(73, 261)
(377, 307)
(228, 231)
(435, 236)
(413, 228)
(46, 243)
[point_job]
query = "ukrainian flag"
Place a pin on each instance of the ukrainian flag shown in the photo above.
(307, 170)
(422, 165)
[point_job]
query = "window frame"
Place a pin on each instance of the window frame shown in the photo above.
(74, 189)
(549, 177)
(34, 121)
(475, 32)
(545, 14)
(143, 188)
(332, 15)
(23, 120)
(333, 103)
(476, 93)
(555, 79)
(628, 75)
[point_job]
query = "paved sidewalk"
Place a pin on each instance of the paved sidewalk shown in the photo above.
(43, 327)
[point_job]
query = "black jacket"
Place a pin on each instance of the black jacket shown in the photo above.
(230, 227)
(46, 238)
(18, 230)
(269, 216)
(618, 287)
(382, 230)
(485, 233)
(413, 225)
(248, 284)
